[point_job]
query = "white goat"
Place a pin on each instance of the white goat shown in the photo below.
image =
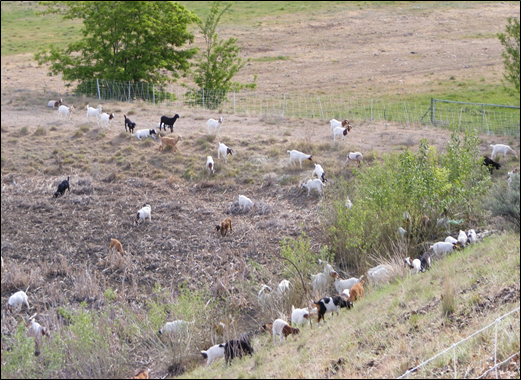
(296, 155)
(55, 103)
(354, 156)
(215, 124)
(224, 151)
(349, 204)
(501, 148)
(450, 239)
(94, 112)
(105, 119)
(144, 213)
(65, 111)
(16, 300)
(264, 293)
(319, 172)
(284, 286)
(213, 353)
(511, 176)
(341, 131)
(175, 327)
(415, 266)
(472, 237)
(379, 274)
(37, 329)
(340, 285)
(314, 184)
(210, 166)
(462, 238)
(245, 202)
(282, 329)
(333, 123)
(442, 247)
(319, 281)
(145, 133)
(299, 316)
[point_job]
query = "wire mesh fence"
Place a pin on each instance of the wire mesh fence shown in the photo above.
(485, 118)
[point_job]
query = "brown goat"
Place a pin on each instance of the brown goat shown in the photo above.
(143, 374)
(116, 245)
(169, 141)
(224, 226)
(357, 291)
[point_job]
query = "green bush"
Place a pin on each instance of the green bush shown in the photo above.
(422, 183)
(505, 201)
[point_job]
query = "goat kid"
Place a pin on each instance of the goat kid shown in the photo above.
(225, 225)
(316, 184)
(55, 103)
(501, 148)
(490, 164)
(357, 291)
(94, 112)
(17, 300)
(354, 156)
(115, 245)
(210, 166)
(319, 172)
(333, 123)
(224, 151)
(168, 122)
(144, 213)
(330, 305)
(65, 111)
(145, 133)
(213, 353)
(296, 155)
(129, 124)
(236, 348)
(62, 187)
(215, 124)
(105, 119)
(169, 141)
(283, 329)
(415, 265)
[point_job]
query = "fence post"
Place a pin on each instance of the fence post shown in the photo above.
(320, 105)
(97, 86)
(203, 97)
(433, 111)
(154, 94)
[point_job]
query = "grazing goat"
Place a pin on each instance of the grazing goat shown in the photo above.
(330, 305)
(380, 273)
(320, 281)
(176, 327)
(299, 316)
(357, 291)
(225, 225)
(16, 300)
(511, 176)
(55, 103)
(442, 247)
(116, 245)
(169, 141)
(340, 131)
(213, 353)
(501, 148)
(215, 124)
(296, 155)
(62, 187)
(224, 151)
(129, 124)
(472, 237)
(36, 328)
(145, 133)
(340, 285)
(284, 286)
(354, 156)
(333, 123)
(314, 184)
(425, 261)
(349, 204)
(245, 202)
(94, 112)
(105, 119)
(236, 348)
(144, 213)
(143, 374)
(210, 166)
(168, 122)
(282, 329)
(490, 164)
(264, 293)
(319, 173)
(462, 239)
(65, 111)
(415, 265)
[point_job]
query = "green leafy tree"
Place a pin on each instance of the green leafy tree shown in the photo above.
(123, 40)
(510, 40)
(217, 64)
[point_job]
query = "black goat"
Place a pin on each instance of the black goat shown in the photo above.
(130, 124)
(168, 122)
(62, 187)
(236, 348)
(425, 261)
(490, 164)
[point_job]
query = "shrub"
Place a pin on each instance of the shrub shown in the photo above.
(421, 183)
(504, 201)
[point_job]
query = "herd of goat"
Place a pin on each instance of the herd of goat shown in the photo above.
(347, 291)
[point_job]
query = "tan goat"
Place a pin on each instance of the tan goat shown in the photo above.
(224, 226)
(357, 291)
(116, 245)
(169, 141)
(143, 374)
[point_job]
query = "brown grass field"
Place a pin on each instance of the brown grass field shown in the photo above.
(59, 247)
